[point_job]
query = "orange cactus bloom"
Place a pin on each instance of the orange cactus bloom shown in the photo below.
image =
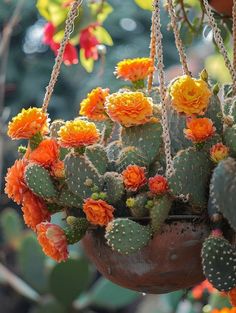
(34, 210)
(15, 182)
(190, 95)
(219, 152)
(232, 297)
(129, 108)
(58, 169)
(78, 133)
(27, 123)
(93, 106)
(158, 184)
(53, 241)
(134, 177)
(224, 310)
(98, 212)
(134, 69)
(199, 129)
(46, 153)
(197, 292)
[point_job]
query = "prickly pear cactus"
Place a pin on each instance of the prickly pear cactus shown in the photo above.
(219, 261)
(126, 236)
(38, 180)
(223, 189)
(125, 167)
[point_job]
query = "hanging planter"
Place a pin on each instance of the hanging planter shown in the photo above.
(170, 261)
(144, 202)
(222, 7)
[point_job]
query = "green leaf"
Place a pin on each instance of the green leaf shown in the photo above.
(145, 5)
(32, 263)
(104, 10)
(108, 295)
(11, 226)
(42, 6)
(68, 280)
(103, 36)
(86, 63)
(218, 301)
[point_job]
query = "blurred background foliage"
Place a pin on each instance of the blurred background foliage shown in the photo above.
(29, 281)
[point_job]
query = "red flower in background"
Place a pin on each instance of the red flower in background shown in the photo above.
(70, 55)
(88, 42)
(197, 292)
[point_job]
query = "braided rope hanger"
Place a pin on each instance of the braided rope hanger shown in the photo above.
(160, 70)
(219, 41)
(73, 13)
(178, 40)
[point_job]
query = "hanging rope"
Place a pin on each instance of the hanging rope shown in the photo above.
(178, 41)
(152, 52)
(160, 69)
(218, 39)
(234, 44)
(59, 59)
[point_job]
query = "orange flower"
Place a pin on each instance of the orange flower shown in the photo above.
(58, 169)
(190, 95)
(93, 105)
(98, 212)
(35, 210)
(15, 183)
(46, 153)
(199, 129)
(134, 69)
(53, 240)
(129, 108)
(197, 292)
(232, 296)
(219, 152)
(224, 310)
(134, 177)
(158, 184)
(78, 133)
(27, 123)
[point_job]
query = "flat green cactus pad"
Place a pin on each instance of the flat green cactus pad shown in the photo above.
(230, 139)
(126, 236)
(219, 262)
(114, 187)
(223, 189)
(159, 212)
(97, 155)
(131, 156)
(191, 176)
(39, 181)
(81, 176)
(69, 200)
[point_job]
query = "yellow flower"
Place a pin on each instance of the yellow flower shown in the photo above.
(219, 152)
(134, 69)
(27, 123)
(78, 133)
(190, 95)
(93, 106)
(129, 108)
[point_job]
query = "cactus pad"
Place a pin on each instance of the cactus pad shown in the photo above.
(81, 176)
(126, 236)
(69, 200)
(214, 112)
(137, 208)
(191, 176)
(39, 181)
(230, 139)
(159, 212)
(223, 189)
(130, 156)
(114, 187)
(219, 262)
(97, 155)
(113, 150)
(147, 138)
(76, 229)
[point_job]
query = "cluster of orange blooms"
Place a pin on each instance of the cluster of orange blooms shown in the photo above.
(128, 108)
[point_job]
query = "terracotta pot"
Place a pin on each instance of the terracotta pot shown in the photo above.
(222, 6)
(170, 262)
